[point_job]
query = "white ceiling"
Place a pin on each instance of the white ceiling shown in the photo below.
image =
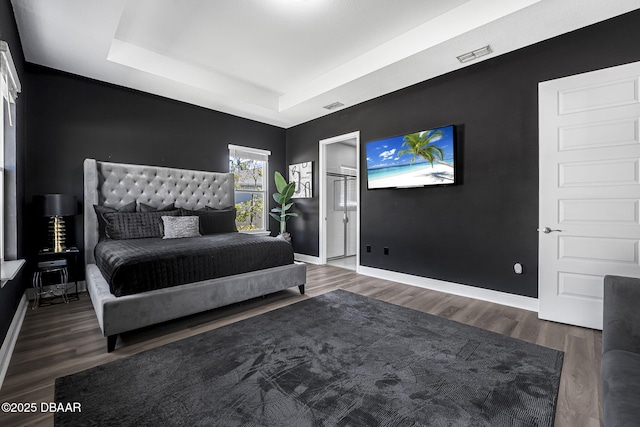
(281, 61)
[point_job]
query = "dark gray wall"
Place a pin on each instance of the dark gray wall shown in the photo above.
(12, 292)
(474, 232)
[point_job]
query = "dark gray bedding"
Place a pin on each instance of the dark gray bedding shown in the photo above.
(139, 265)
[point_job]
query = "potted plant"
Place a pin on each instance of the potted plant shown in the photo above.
(283, 197)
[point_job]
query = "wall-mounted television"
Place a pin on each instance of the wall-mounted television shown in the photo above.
(412, 160)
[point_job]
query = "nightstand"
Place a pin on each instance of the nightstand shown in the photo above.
(56, 265)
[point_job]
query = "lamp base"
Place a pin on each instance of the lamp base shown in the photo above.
(57, 233)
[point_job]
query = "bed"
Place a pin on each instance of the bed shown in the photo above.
(120, 309)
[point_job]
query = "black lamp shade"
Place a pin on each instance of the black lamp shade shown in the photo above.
(56, 204)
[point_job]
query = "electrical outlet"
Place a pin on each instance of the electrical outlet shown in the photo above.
(518, 268)
(386, 251)
(369, 249)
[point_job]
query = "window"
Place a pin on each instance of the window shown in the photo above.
(9, 89)
(250, 167)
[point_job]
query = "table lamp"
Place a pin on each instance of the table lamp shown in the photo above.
(57, 206)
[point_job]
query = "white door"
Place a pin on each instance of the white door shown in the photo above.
(589, 190)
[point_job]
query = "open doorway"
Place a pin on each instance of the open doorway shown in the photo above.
(340, 201)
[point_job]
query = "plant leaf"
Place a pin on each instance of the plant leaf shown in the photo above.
(287, 207)
(288, 191)
(277, 217)
(281, 183)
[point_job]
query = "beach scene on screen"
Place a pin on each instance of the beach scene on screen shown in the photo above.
(412, 160)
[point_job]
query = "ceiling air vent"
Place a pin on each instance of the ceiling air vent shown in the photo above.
(334, 105)
(470, 56)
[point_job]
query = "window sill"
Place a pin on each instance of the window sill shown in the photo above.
(10, 270)
(257, 232)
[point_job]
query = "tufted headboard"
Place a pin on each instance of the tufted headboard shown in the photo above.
(117, 184)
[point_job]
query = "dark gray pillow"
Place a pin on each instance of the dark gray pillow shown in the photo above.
(143, 207)
(213, 220)
(217, 221)
(176, 227)
(101, 210)
(148, 208)
(136, 225)
(187, 212)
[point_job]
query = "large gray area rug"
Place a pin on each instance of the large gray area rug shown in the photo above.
(340, 359)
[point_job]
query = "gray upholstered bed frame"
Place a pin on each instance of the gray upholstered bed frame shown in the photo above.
(115, 185)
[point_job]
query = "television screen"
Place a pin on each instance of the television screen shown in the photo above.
(412, 160)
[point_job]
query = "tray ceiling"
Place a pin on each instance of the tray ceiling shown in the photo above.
(281, 61)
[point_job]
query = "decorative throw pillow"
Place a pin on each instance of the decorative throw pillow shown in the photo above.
(136, 225)
(101, 210)
(210, 208)
(214, 220)
(148, 208)
(176, 227)
(187, 212)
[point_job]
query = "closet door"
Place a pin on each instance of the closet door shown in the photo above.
(589, 190)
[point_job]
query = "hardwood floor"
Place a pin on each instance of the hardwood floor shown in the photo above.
(62, 339)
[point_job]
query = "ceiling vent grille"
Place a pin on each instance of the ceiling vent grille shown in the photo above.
(334, 105)
(470, 56)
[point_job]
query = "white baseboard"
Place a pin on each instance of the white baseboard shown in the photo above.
(9, 342)
(307, 258)
(511, 300)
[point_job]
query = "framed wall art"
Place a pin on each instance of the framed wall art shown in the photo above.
(302, 175)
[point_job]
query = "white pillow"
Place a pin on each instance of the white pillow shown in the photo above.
(176, 227)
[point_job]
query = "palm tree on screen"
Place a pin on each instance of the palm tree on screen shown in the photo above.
(422, 144)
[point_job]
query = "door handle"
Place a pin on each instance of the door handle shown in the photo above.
(547, 230)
